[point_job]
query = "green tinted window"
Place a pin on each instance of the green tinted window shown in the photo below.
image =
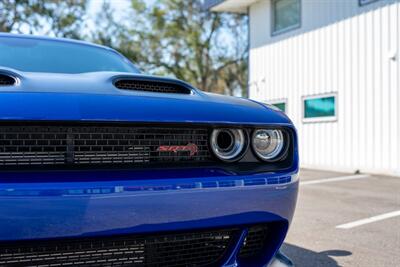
(286, 15)
(281, 106)
(320, 107)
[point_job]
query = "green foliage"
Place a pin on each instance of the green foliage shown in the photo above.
(180, 39)
(165, 37)
(61, 18)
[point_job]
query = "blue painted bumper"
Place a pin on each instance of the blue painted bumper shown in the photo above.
(55, 204)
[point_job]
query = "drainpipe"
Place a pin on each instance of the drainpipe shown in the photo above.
(248, 52)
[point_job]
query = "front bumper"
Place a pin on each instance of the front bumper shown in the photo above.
(74, 204)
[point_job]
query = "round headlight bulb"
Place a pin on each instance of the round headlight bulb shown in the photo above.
(268, 144)
(228, 144)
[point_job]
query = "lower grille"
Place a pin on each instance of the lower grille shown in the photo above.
(57, 145)
(185, 249)
(199, 248)
(255, 242)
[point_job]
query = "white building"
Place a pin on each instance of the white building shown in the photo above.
(333, 66)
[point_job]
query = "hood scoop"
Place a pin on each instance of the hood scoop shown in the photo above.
(6, 80)
(152, 86)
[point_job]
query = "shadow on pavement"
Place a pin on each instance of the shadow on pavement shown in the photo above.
(302, 257)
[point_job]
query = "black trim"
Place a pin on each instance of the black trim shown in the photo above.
(142, 124)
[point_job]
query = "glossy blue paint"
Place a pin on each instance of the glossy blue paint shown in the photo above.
(40, 209)
(67, 203)
(232, 259)
(93, 97)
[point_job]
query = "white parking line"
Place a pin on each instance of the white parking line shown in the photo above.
(369, 220)
(335, 179)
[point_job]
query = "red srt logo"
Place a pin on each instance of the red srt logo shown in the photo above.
(192, 148)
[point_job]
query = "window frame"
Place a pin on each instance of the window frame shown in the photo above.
(319, 119)
(279, 101)
(366, 2)
(287, 29)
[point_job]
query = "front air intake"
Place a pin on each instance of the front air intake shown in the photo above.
(101, 144)
(172, 249)
(151, 86)
(6, 80)
(193, 248)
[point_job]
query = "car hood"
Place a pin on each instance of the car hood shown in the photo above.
(93, 97)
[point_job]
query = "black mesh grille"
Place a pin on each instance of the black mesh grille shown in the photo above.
(185, 249)
(151, 86)
(198, 248)
(54, 145)
(6, 80)
(255, 242)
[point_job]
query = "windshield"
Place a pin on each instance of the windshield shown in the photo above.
(38, 55)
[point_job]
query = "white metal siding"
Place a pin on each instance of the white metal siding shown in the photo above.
(345, 49)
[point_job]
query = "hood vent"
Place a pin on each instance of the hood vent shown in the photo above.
(6, 80)
(151, 86)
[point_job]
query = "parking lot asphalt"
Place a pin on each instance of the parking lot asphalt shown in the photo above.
(345, 220)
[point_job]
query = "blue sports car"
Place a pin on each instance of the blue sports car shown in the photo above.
(101, 165)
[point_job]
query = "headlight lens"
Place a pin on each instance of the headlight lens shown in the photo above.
(228, 144)
(268, 144)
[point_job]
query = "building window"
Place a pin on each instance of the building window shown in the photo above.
(366, 2)
(320, 108)
(286, 15)
(281, 104)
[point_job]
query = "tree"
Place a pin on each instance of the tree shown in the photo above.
(180, 39)
(164, 37)
(61, 18)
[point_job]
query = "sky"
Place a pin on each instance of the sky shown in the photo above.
(118, 5)
(95, 6)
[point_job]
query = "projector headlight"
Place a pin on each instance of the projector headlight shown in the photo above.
(228, 144)
(268, 144)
